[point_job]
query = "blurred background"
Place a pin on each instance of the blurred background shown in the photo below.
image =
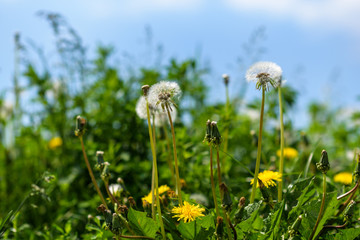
(64, 58)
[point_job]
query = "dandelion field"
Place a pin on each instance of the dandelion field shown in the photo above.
(94, 149)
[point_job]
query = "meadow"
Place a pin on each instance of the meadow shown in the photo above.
(96, 149)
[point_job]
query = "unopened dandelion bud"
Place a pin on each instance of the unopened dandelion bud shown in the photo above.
(145, 89)
(123, 209)
(90, 216)
(240, 211)
(219, 227)
(226, 199)
(207, 137)
(171, 194)
(226, 78)
(132, 202)
(80, 126)
(108, 218)
(116, 224)
(349, 211)
(105, 174)
(100, 157)
(215, 134)
(324, 164)
(101, 208)
(293, 231)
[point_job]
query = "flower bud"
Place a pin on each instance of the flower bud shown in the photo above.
(105, 174)
(226, 78)
(101, 208)
(116, 224)
(80, 126)
(219, 227)
(324, 164)
(226, 199)
(215, 134)
(108, 218)
(240, 211)
(293, 231)
(132, 202)
(207, 137)
(349, 210)
(145, 89)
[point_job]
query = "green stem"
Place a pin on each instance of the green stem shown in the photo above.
(171, 167)
(281, 168)
(178, 185)
(91, 173)
(153, 150)
(353, 191)
(218, 166)
(321, 208)
(257, 167)
(213, 184)
(153, 177)
(113, 199)
(226, 132)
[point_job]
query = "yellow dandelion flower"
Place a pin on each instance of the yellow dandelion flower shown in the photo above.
(55, 143)
(268, 178)
(288, 152)
(187, 212)
(344, 178)
(162, 189)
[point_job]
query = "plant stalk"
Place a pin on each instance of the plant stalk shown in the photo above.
(281, 168)
(178, 185)
(171, 167)
(91, 173)
(321, 208)
(153, 150)
(213, 183)
(226, 132)
(257, 167)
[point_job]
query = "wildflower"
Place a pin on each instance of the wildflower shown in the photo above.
(268, 178)
(264, 73)
(288, 153)
(161, 117)
(344, 178)
(55, 143)
(226, 78)
(115, 189)
(187, 212)
(162, 189)
(164, 93)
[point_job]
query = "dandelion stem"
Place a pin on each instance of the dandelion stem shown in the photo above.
(352, 191)
(91, 173)
(153, 150)
(321, 208)
(113, 199)
(218, 165)
(226, 132)
(178, 185)
(171, 167)
(257, 167)
(213, 184)
(281, 168)
(153, 177)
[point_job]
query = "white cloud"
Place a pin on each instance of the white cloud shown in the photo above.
(328, 13)
(110, 8)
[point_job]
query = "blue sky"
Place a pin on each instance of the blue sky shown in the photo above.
(316, 42)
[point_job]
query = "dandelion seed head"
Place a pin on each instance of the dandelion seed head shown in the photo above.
(268, 178)
(161, 117)
(141, 110)
(264, 73)
(164, 92)
(187, 212)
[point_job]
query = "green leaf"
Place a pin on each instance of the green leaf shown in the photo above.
(347, 234)
(144, 225)
(275, 223)
(201, 228)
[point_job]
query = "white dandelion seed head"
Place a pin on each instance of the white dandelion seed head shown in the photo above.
(161, 117)
(141, 110)
(264, 72)
(164, 92)
(115, 188)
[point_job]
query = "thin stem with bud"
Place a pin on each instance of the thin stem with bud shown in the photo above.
(91, 172)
